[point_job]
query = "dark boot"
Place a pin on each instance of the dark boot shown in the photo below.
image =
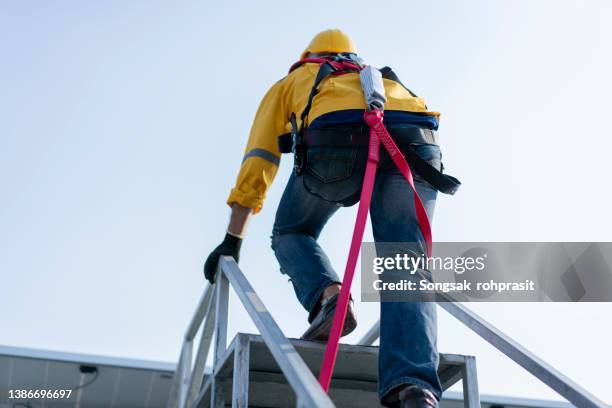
(321, 324)
(414, 396)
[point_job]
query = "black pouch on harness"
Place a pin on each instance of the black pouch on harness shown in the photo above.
(335, 174)
(334, 163)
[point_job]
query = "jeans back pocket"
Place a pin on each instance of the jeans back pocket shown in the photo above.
(330, 165)
(335, 174)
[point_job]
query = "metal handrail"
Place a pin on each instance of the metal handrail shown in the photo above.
(212, 310)
(187, 382)
(550, 376)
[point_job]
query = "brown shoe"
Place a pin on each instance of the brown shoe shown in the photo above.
(321, 324)
(414, 396)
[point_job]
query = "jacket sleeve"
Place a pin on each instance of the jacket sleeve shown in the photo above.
(261, 156)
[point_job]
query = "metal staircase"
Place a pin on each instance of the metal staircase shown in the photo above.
(273, 371)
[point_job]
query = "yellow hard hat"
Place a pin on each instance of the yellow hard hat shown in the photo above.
(330, 41)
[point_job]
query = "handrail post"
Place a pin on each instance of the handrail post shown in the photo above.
(175, 388)
(471, 396)
(221, 305)
(240, 380)
(185, 375)
(205, 342)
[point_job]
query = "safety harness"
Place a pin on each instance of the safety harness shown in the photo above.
(296, 141)
(371, 80)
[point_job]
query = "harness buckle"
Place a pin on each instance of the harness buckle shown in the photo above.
(297, 146)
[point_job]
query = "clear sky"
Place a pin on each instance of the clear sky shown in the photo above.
(122, 126)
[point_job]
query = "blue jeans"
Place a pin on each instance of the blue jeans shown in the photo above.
(408, 331)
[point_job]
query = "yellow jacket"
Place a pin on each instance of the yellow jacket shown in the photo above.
(290, 95)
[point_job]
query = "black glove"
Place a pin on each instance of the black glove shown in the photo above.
(230, 246)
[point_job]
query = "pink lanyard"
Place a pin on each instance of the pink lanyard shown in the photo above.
(378, 134)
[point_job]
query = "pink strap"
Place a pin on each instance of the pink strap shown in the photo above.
(374, 119)
(378, 134)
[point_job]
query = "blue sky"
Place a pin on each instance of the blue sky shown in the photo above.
(122, 126)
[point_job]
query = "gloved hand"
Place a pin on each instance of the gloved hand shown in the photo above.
(230, 246)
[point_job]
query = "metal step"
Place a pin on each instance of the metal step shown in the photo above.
(354, 383)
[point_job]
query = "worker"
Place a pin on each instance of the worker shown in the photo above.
(325, 126)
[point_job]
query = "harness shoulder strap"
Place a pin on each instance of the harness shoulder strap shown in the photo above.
(325, 69)
(388, 73)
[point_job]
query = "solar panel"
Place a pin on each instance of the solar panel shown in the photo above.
(115, 382)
